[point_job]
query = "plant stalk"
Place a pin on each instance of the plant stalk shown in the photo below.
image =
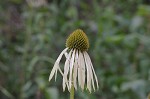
(72, 92)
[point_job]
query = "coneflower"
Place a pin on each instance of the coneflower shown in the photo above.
(78, 66)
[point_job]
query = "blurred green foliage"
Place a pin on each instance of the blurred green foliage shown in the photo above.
(32, 35)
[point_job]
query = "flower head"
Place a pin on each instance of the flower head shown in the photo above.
(78, 66)
(78, 40)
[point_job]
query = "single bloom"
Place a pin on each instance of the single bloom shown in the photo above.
(78, 66)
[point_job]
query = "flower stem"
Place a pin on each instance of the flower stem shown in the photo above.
(72, 92)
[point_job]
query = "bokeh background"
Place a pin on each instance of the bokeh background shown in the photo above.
(33, 33)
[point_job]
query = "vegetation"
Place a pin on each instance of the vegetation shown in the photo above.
(32, 35)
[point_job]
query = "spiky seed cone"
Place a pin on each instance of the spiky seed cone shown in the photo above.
(78, 40)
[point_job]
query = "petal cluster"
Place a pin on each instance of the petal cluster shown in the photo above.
(78, 70)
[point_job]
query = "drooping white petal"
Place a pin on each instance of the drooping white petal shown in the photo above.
(75, 70)
(56, 65)
(71, 68)
(56, 72)
(88, 73)
(66, 70)
(66, 55)
(67, 63)
(60, 71)
(81, 71)
(58, 60)
(92, 69)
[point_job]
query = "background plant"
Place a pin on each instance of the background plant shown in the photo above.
(32, 36)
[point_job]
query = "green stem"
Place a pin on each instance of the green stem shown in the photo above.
(72, 92)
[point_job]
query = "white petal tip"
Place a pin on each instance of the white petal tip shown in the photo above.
(49, 79)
